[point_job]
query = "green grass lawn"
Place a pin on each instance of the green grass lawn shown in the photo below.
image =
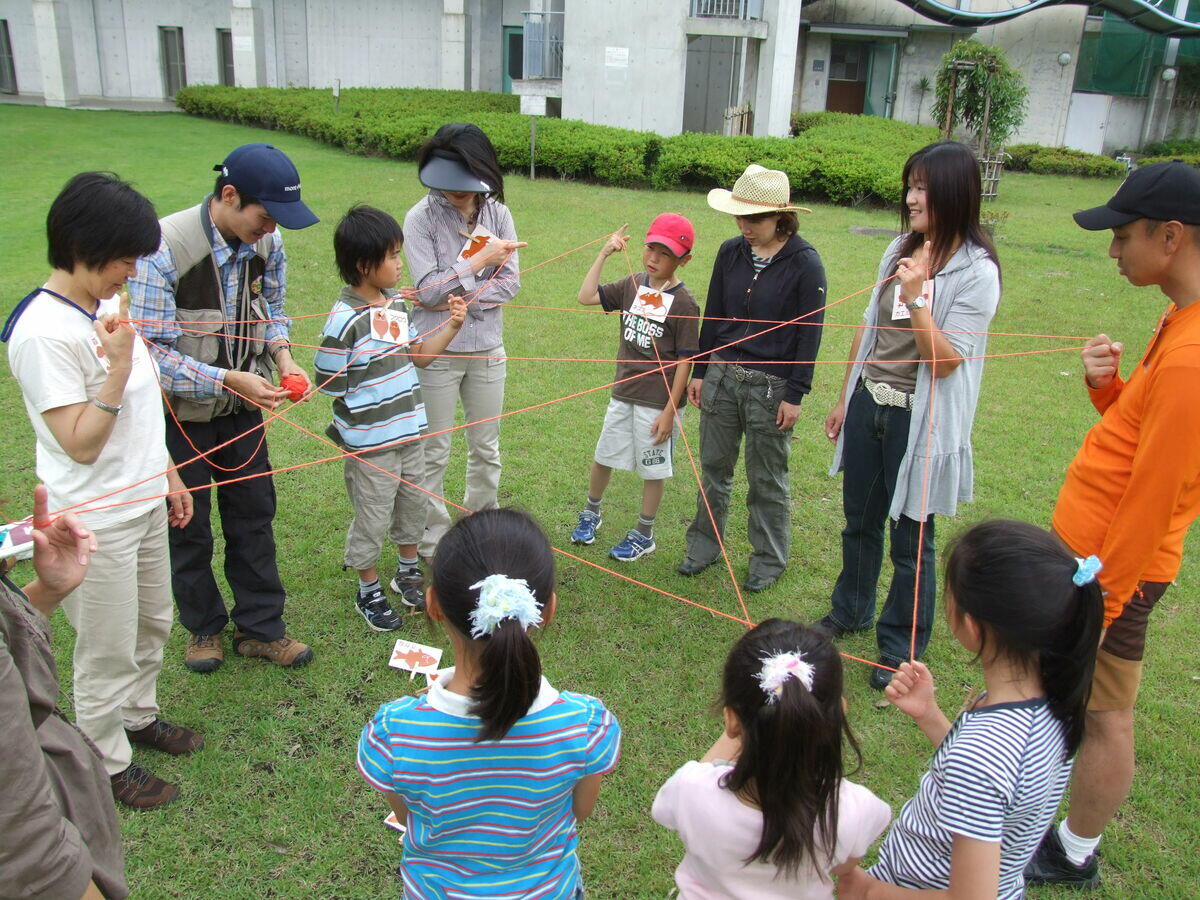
(273, 806)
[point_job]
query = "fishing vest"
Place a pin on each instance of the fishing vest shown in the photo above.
(200, 310)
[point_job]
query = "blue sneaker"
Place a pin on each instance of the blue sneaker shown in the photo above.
(635, 546)
(378, 613)
(585, 531)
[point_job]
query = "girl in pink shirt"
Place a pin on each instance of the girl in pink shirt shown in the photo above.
(766, 813)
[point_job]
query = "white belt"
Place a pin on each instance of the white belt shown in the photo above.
(886, 395)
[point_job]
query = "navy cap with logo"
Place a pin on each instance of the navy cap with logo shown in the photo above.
(1166, 191)
(266, 174)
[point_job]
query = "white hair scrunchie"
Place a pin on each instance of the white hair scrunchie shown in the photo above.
(500, 598)
(779, 668)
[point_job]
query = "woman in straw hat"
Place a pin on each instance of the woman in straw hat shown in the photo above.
(902, 462)
(762, 328)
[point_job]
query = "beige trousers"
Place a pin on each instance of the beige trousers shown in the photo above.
(122, 616)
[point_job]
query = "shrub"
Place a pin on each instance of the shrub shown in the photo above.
(1060, 161)
(1171, 149)
(992, 87)
(1192, 159)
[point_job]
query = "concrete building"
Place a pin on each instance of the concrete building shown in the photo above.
(676, 65)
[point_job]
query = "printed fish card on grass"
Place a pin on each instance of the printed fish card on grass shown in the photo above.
(415, 658)
(477, 240)
(390, 325)
(651, 304)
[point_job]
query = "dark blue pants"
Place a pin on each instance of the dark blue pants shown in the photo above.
(247, 509)
(876, 439)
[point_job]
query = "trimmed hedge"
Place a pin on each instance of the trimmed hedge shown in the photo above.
(1061, 161)
(835, 156)
(1173, 149)
(1192, 159)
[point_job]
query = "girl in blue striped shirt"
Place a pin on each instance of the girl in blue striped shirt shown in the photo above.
(1031, 613)
(493, 768)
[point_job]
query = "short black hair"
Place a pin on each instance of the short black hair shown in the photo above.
(363, 238)
(98, 218)
(244, 199)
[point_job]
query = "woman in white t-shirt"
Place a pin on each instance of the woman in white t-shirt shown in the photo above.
(767, 812)
(91, 391)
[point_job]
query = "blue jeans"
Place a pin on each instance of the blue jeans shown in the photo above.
(875, 441)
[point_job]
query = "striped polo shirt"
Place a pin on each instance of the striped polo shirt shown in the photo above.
(377, 398)
(489, 819)
(998, 776)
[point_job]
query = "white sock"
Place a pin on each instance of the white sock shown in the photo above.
(1077, 848)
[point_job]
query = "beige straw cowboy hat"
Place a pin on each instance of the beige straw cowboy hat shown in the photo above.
(757, 190)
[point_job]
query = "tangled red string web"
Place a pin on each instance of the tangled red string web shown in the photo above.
(808, 319)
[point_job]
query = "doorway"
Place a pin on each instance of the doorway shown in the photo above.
(174, 66)
(514, 55)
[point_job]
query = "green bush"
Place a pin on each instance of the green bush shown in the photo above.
(1060, 161)
(1172, 149)
(1192, 159)
(835, 156)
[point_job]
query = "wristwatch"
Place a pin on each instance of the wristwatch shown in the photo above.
(917, 303)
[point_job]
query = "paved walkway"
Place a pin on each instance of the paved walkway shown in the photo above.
(97, 103)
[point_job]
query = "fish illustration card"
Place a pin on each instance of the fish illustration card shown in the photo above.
(478, 239)
(900, 308)
(390, 325)
(98, 349)
(392, 822)
(16, 539)
(651, 304)
(415, 658)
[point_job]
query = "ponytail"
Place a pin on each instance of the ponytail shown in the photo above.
(1017, 581)
(790, 763)
(488, 543)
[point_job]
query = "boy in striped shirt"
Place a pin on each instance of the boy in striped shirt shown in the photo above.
(369, 348)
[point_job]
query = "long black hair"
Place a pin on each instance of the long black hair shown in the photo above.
(473, 147)
(950, 173)
(1015, 580)
(790, 764)
(496, 542)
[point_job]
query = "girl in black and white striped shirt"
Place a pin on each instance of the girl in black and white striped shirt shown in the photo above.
(1032, 614)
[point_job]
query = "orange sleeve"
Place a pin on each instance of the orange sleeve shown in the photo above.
(1106, 396)
(1166, 461)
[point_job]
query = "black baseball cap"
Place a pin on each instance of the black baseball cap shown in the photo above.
(1164, 191)
(266, 174)
(446, 171)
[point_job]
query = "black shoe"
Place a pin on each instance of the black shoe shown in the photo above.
(881, 678)
(376, 610)
(831, 629)
(1050, 865)
(690, 567)
(756, 584)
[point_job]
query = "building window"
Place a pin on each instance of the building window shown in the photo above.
(174, 67)
(847, 61)
(8, 71)
(225, 56)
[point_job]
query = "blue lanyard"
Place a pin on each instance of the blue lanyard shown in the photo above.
(11, 322)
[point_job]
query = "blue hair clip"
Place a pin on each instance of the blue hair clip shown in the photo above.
(1086, 573)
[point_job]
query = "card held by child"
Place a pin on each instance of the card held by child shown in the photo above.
(390, 325)
(16, 539)
(477, 240)
(415, 658)
(392, 822)
(651, 304)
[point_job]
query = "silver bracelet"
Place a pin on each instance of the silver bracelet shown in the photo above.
(100, 404)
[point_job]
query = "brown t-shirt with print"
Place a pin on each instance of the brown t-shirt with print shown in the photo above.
(894, 358)
(669, 323)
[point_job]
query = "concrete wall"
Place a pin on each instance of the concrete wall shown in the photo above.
(624, 64)
(19, 15)
(374, 43)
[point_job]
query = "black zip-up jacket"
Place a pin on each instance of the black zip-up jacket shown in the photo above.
(790, 287)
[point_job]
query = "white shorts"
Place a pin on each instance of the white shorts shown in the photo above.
(625, 441)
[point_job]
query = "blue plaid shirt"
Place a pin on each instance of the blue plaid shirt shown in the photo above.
(152, 300)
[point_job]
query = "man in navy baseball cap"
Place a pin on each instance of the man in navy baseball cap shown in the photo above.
(266, 174)
(213, 295)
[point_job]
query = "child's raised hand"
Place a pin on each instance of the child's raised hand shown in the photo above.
(458, 311)
(617, 241)
(911, 690)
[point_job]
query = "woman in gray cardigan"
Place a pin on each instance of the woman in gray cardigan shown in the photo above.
(928, 322)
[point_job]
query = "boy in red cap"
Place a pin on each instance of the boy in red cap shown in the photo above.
(660, 324)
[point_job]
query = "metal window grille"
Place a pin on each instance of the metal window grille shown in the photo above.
(727, 9)
(225, 57)
(542, 53)
(174, 66)
(8, 70)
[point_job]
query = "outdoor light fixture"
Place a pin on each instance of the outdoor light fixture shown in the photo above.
(1168, 74)
(1064, 58)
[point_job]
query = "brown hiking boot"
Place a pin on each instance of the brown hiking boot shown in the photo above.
(204, 652)
(139, 789)
(162, 735)
(283, 651)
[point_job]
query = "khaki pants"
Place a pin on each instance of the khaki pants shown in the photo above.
(122, 616)
(480, 383)
(383, 505)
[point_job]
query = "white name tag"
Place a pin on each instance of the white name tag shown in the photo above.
(390, 326)
(651, 304)
(900, 310)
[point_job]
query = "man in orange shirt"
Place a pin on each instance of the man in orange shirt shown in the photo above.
(1132, 490)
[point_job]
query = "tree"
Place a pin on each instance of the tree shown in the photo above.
(980, 90)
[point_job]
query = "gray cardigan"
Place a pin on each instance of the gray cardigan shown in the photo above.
(965, 296)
